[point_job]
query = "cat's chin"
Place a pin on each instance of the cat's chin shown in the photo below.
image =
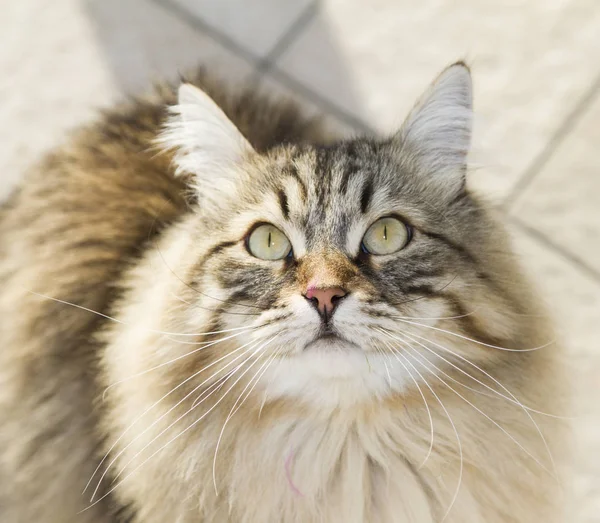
(331, 343)
(332, 372)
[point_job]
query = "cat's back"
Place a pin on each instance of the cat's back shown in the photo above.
(76, 222)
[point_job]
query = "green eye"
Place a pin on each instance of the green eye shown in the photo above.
(385, 236)
(268, 243)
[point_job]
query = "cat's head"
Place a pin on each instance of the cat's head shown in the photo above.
(347, 270)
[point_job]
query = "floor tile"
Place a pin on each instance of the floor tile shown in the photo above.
(50, 79)
(143, 41)
(563, 201)
(531, 62)
(574, 301)
(572, 296)
(335, 127)
(256, 26)
(55, 79)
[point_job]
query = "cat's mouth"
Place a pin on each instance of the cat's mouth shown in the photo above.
(329, 339)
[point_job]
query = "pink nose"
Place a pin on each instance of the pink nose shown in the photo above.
(326, 299)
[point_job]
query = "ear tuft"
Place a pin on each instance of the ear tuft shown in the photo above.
(437, 131)
(207, 144)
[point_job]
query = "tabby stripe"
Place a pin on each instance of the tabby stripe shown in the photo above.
(447, 241)
(247, 294)
(466, 255)
(367, 193)
(468, 323)
(483, 276)
(462, 195)
(351, 168)
(283, 203)
(426, 290)
(219, 247)
(199, 265)
(427, 272)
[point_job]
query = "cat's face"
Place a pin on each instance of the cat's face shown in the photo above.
(346, 263)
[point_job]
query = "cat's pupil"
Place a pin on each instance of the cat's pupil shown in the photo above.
(269, 243)
(385, 232)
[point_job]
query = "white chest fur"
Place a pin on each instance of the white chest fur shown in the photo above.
(313, 470)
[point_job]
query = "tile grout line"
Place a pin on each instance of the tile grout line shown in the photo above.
(292, 34)
(322, 102)
(546, 154)
(198, 24)
(532, 232)
(231, 45)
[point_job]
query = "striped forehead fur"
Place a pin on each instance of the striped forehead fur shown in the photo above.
(435, 138)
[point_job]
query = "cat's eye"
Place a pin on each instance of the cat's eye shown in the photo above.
(386, 236)
(268, 243)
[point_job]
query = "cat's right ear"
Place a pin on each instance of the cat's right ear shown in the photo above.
(207, 145)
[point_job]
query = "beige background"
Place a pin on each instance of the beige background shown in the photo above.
(536, 67)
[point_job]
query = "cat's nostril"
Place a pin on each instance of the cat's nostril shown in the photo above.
(336, 298)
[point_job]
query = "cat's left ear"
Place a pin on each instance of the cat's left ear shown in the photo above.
(207, 144)
(437, 133)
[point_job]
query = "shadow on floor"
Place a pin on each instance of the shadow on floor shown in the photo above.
(147, 40)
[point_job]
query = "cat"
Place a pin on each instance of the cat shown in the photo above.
(221, 313)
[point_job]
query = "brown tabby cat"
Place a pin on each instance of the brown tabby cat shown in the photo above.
(256, 325)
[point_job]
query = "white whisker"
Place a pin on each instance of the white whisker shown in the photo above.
(396, 354)
(175, 437)
(514, 400)
(486, 416)
(219, 382)
(153, 406)
(232, 412)
(473, 340)
(202, 293)
(179, 298)
(214, 386)
(387, 369)
(438, 318)
(265, 394)
(209, 344)
(195, 404)
(115, 320)
(460, 451)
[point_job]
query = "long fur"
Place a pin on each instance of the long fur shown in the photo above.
(148, 359)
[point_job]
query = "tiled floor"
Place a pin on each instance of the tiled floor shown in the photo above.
(536, 67)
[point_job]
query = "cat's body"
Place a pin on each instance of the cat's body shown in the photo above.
(325, 432)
